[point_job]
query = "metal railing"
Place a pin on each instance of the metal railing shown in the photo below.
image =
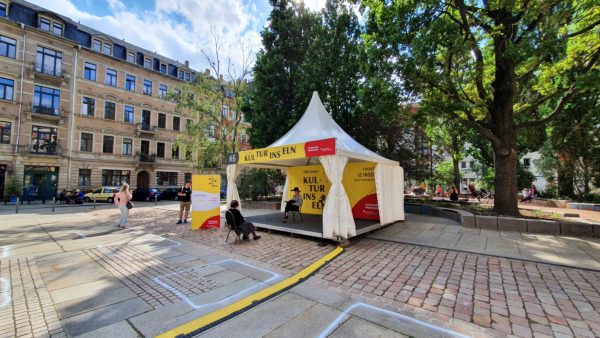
(147, 158)
(145, 127)
(52, 149)
(47, 110)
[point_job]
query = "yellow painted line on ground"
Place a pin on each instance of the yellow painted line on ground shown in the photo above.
(248, 301)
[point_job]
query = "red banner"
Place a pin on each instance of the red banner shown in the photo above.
(320, 147)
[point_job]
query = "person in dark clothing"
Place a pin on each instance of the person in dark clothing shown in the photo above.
(241, 224)
(294, 204)
(185, 202)
(453, 194)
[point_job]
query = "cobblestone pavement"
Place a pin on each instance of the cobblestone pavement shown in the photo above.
(511, 296)
(26, 308)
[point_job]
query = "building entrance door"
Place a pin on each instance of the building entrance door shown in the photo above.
(40, 182)
(143, 179)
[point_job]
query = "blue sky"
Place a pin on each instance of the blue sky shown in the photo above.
(179, 29)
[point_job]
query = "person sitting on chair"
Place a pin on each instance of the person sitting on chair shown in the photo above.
(241, 224)
(293, 204)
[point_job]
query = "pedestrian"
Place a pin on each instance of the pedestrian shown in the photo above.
(294, 204)
(63, 196)
(438, 191)
(185, 202)
(79, 197)
(453, 194)
(241, 224)
(121, 199)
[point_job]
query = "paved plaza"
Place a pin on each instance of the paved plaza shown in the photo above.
(71, 273)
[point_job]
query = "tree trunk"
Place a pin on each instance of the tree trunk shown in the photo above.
(456, 173)
(505, 182)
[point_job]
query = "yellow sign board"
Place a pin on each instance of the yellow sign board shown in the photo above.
(314, 187)
(287, 152)
(206, 202)
(359, 181)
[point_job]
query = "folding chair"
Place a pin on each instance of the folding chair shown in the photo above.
(230, 220)
(299, 212)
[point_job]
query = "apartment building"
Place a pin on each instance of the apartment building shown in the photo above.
(82, 109)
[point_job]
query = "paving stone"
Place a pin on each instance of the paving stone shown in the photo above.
(95, 319)
(357, 327)
(308, 324)
(486, 222)
(319, 294)
(117, 330)
(80, 305)
(85, 290)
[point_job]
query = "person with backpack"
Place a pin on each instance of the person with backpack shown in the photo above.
(185, 202)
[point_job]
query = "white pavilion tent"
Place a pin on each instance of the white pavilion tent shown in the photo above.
(317, 124)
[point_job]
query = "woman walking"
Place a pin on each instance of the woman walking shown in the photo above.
(121, 198)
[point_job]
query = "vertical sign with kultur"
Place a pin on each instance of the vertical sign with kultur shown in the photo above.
(206, 201)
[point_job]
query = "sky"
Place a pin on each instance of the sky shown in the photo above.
(178, 29)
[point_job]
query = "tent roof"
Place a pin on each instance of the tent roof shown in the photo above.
(317, 124)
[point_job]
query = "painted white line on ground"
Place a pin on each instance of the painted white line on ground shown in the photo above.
(5, 286)
(145, 240)
(80, 234)
(274, 277)
(5, 251)
(344, 315)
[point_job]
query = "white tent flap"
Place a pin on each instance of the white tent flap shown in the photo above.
(286, 188)
(337, 213)
(389, 183)
(233, 170)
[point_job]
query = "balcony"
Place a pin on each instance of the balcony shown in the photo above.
(145, 160)
(49, 149)
(49, 75)
(143, 128)
(48, 114)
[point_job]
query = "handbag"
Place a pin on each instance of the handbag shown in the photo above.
(129, 205)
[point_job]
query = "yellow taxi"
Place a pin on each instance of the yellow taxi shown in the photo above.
(104, 194)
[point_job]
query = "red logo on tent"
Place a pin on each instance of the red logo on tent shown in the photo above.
(320, 147)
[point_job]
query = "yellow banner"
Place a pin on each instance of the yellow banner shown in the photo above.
(206, 201)
(359, 181)
(314, 187)
(288, 152)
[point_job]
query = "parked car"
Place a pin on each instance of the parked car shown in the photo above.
(104, 194)
(223, 192)
(146, 194)
(170, 194)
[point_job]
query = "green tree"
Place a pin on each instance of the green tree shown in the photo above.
(449, 136)
(502, 63)
(211, 132)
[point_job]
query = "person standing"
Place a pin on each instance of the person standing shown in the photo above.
(120, 200)
(185, 202)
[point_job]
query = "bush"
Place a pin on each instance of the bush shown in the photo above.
(257, 183)
(14, 187)
(591, 198)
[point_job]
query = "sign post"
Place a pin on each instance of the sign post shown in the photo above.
(206, 202)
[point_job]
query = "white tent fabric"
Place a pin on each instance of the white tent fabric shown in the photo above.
(233, 170)
(317, 124)
(286, 188)
(337, 213)
(389, 183)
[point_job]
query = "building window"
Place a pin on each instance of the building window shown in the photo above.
(188, 154)
(163, 68)
(160, 150)
(211, 131)
(526, 162)
(115, 178)
(87, 106)
(111, 77)
(48, 61)
(46, 100)
(187, 77)
(187, 177)
(127, 146)
(43, 140)
(162, 91)
(96, 45)
(463, 165)
(89, 71)
(166, 178)
(244, 136)
(162, 120)
(8, 47)
(131, 57)
(176, 121)
(85, 176)
(87, 142)
(45, 24)
(225, 111)
(148, 63)
(109, 110)
(7, 88)
(128, 114)
(175, 152)
(107, 48)
(57, 28)
(147, 89)
(181, 75)
(130, 83)
(5, 130)
(107, 144)
(2, 9)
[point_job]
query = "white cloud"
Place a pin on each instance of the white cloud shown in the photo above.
(177, 29)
